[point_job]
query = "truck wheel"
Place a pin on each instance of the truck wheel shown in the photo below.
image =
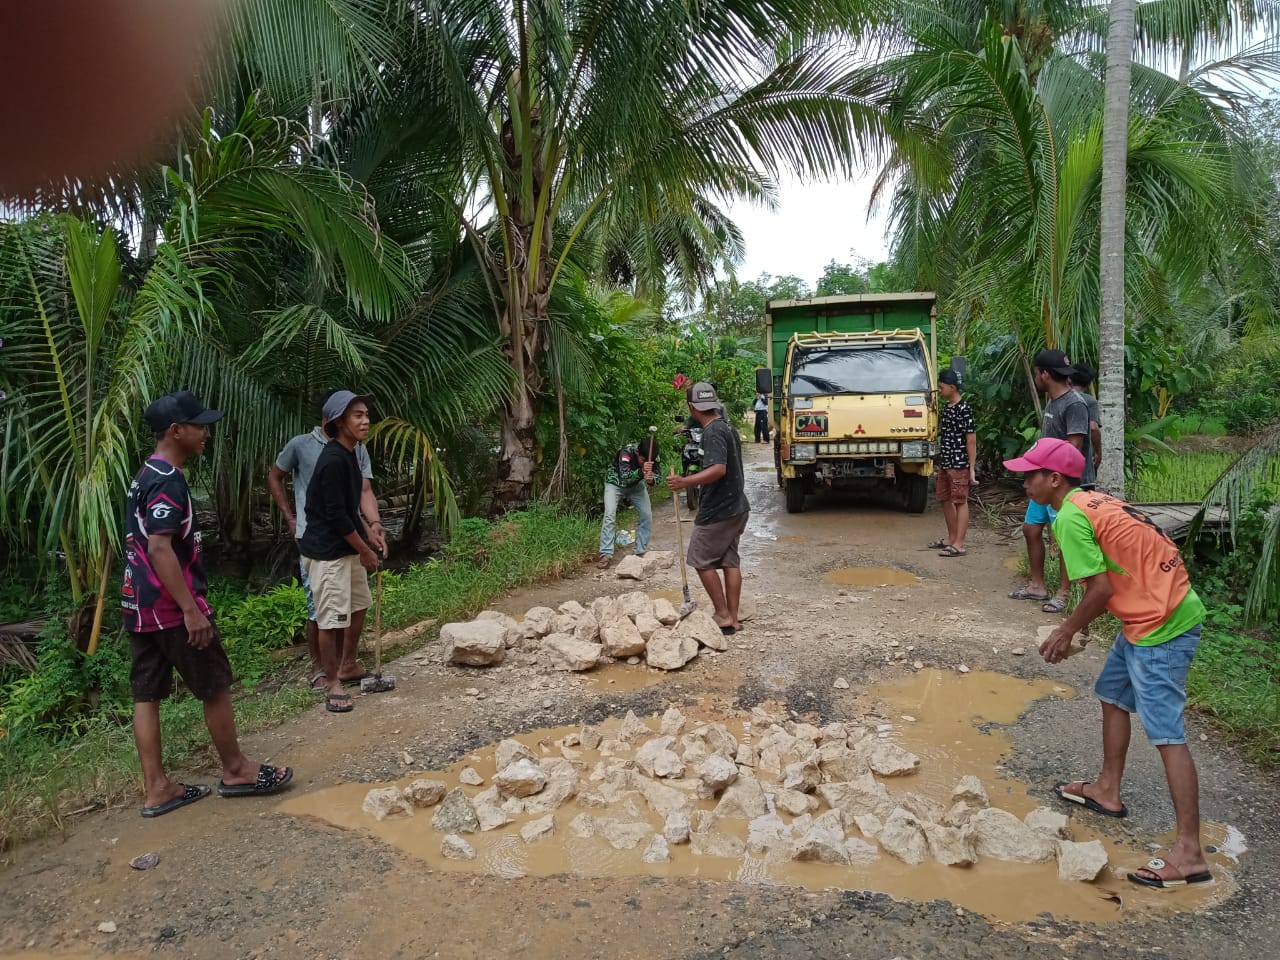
(795, 495)
(692, 496)
(917, 493)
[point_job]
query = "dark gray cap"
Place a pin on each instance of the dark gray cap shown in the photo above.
(337, 405)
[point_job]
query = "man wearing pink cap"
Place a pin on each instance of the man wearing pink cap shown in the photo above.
(1131, 568)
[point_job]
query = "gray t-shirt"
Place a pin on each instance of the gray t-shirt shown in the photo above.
(726, 497)
(299, 458)
(1065, 416)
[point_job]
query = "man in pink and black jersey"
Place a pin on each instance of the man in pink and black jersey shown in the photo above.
(169, 619)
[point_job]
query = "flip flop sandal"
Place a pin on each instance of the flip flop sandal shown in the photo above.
(190, 794)
(334, 702)
(950, 551)
(1022, 593)
(1160, 883)
(1079, 799)
(1054, 605)
(319, 676)
(270, 779)
(728, 631)
(937, 545)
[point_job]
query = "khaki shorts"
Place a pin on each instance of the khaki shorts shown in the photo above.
(953, 486)
(340, 588)
(714, 546)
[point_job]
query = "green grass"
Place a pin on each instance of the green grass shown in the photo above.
(66, 741)
(1177, 477)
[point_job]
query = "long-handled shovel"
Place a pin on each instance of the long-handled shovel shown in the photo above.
(377, 683)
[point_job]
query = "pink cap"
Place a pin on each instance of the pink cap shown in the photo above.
(1049, 453)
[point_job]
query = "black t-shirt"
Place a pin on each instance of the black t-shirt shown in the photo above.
(333, 504)
(726, 497)
(956, 423)
(159, 502)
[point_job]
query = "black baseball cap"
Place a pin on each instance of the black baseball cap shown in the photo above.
(1055, 361)
(181, 407)
(949, 376)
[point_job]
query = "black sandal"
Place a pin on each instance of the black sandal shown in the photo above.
(270, 779)
(190, 794)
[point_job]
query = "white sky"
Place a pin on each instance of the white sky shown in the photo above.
(814, 223)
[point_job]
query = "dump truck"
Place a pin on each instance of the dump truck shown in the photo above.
(854, 403)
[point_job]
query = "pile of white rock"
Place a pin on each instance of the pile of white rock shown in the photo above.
(630, 627)
(806, 793)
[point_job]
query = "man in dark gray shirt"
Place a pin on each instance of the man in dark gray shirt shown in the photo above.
(1066, 417)
(1081, 377)
(723, 511)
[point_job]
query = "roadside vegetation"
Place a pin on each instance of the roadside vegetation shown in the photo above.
(508, 223)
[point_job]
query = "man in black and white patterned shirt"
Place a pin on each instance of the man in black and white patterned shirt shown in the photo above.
(958, 453)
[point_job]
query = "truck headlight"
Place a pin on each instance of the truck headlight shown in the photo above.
(804, 451)
(915, 449)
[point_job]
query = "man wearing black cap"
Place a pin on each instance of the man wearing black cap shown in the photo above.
(723, 509)
(168, 617)
(1066, 417)
(333, 547)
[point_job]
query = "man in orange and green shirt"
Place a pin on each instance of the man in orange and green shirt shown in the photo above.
(1131, 568)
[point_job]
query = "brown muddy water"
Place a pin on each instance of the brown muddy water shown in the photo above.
(870, 577)
(952, 721)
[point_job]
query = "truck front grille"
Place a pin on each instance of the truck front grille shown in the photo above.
(859, 447)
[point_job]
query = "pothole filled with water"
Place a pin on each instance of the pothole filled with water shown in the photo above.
(870, 577)
(802, 805)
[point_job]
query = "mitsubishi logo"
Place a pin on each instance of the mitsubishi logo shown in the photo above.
(859, 430)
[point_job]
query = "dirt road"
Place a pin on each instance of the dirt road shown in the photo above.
(255, 879)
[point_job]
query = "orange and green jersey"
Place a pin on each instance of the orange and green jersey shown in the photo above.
(1152, 595)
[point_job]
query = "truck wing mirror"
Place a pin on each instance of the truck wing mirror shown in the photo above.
(960, 366)
(764, 380)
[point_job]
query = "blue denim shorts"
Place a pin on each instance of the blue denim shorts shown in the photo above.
(306, 585)
(1039, 514)
(1151, 682)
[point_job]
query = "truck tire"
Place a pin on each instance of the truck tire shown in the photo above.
(795, 495)
(917, 493)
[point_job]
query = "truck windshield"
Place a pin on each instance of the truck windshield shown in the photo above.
(823, 371)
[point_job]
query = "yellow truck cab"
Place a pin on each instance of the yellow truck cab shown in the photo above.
(854, 394)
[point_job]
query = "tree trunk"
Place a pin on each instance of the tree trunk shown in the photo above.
(1111, 333)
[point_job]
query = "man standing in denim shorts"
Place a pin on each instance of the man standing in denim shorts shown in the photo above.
(169, 621)
(722, 511)
(1130, 568)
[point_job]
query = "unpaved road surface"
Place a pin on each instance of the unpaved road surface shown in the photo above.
(245, 879)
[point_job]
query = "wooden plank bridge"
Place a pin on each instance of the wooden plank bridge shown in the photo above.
(1175, 518)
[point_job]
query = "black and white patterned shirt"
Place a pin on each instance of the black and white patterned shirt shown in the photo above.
(955, 424)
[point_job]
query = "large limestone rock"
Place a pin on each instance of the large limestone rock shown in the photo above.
(572, 608)
(676, 827)
(453, 847)
(509, 751)
(838, 763)
(656, 560)
(633, 728)
(713, 843)
(952, 846)
(635, 603)
(479, 643)
(803, 776)
(426, 793)
(903, 836)
(672, 722)
(562, 786)
(743, 798)
(718, 739)
(795, 803)
(657, 851)
(622, 835)
(590, 738)
(564, 623)
(717, 772)
(868, 825)
(667, 651)
(1051, 823)
(587, 628)
(489, 812)
(857, 797)
(383, 802)
(1081, 861)
(583, 826)
(663, 800)
(1002, 836)
(605, 609)
(656, 758)
(700, 626)
(631, 568)
(647, 625)
(563, 652)
(522, 778)
(821, 845)
(664, 611)
(513, 632)
(537, 622)
(969, 790)
(539, 829)
(455, 814)
(890, 760)
(923, 808)
(621, 638)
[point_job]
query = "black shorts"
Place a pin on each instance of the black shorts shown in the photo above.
(157, 653)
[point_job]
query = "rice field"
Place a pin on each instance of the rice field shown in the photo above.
(1178, 477)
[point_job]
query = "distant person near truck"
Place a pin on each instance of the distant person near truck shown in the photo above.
(761, 408)
(957, 459)
(1066, 417)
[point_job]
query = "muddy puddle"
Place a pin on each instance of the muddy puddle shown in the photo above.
(622, 677)
(951, 721)
(870, 577)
